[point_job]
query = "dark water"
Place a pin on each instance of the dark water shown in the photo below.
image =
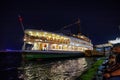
(9, 63)
(14, 68)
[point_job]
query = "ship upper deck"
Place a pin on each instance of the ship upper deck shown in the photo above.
(50, 35)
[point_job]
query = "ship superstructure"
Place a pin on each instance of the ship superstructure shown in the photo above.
(47, 41)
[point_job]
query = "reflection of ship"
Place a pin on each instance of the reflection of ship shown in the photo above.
(44, 44)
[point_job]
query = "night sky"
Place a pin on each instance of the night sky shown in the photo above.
(99, 20)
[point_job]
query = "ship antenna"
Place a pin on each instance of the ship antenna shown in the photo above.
(21, 22)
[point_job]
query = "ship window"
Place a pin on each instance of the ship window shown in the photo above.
(60, 47)
(45, 45)
(28, 46)
(53, 47)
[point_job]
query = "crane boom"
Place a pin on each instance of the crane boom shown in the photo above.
(69, 25)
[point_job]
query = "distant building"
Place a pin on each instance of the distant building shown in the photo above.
(117, 40)
(106, 48)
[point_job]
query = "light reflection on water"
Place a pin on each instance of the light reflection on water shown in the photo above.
(68, 69)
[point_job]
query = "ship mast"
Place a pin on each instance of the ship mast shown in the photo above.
(21, 22)
(78, 26)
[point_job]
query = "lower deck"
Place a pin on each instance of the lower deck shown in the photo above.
(31, 55)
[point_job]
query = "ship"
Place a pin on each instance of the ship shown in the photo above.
(39, 44)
